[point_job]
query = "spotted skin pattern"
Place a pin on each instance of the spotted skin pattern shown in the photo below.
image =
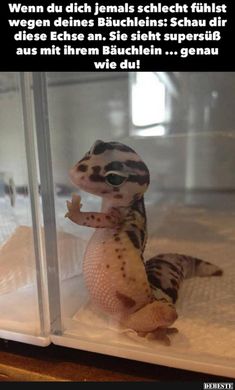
(139, 294)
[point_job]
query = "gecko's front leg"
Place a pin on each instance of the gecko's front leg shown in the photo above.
(111, 219)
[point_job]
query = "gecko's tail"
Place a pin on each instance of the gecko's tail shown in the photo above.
(167, 271)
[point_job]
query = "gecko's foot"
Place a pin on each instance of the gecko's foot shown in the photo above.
(73, 207)
(160, 334)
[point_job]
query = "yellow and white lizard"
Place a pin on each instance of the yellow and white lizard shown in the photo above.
(141, 295)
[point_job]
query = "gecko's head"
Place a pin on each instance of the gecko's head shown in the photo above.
(113, 171)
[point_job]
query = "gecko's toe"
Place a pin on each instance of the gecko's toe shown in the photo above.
(160, 334)
(142, 334)
(172, 330)
(69, 204)
(76, 198)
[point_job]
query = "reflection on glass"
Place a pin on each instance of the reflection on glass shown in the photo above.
(148, 100)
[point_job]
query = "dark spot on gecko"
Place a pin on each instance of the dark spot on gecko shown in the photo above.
(105, 192)
(218, 273)
(132, 279)
(142, 236)
(197, 261)
(108, 217)
(137, 197)
(101, 147)
(185, 257)
(115, 189)
(124, 262)
(107, 266)
(82, 168)
(97, 178)
(156, 284)
(124, 275)
(126, 301)
(96, 169)
(172, 267)
(134, 225)
(98, 219)
(87, 218)
(140, 165)
(161, 256)
(174, 276)
(117, 239)
(92, 217)
(140, 179)
(96, 174)
(118, 196)
(154, 281)
(133, 238)
(114, 166)
(138, 205)
(122, 268)
(158, 274)
(174, 282)
(172, 294)
(119, 257)
(117, 250)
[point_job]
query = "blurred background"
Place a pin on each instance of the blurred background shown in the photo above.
(181, 123)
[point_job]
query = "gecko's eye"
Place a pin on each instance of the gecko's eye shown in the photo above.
(115, 179)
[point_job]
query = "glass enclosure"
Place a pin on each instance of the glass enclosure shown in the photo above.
(182, 125)
(22, 288)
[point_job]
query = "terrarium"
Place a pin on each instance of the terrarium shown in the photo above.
(181, 125)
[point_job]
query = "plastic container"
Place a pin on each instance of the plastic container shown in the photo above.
(182, 125)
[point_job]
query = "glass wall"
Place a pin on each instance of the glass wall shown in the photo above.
(22, 287)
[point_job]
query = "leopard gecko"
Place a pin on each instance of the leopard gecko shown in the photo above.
(141, 295)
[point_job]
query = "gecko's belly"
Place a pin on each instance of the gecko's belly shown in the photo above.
(114, 273)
